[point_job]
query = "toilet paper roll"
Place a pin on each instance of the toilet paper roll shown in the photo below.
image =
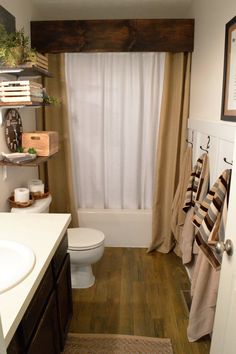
(36, 186)
(21, 195)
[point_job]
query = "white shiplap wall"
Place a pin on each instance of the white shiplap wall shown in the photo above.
(222, 135)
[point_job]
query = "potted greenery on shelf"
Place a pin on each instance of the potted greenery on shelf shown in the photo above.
(14, 47)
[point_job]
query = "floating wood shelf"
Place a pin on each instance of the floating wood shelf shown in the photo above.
(34, 163)
(24, 70)
(22, 104)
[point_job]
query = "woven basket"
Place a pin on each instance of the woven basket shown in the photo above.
(14, 204)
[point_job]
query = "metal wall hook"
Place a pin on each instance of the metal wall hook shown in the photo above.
(208, 145)
(190, 142)
(225, 160)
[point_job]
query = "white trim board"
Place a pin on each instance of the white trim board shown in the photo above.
(221, 135)
(220, 129)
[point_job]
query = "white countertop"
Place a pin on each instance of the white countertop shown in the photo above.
(42, 233)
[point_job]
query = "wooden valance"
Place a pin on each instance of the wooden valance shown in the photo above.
(149, 35)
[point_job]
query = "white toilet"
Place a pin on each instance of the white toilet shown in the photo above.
(86, 246)
(39, 206)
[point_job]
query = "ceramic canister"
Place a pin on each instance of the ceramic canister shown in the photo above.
(36, 186)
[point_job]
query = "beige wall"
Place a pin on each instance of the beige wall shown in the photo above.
(22, 10)
(109, 9)
(17, 176)
(208, 57)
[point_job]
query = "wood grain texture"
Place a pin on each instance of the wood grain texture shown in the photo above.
(149, 35)
(137, 293)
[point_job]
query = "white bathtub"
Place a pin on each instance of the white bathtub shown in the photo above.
(122, 227)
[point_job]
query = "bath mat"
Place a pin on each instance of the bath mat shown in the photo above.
(116, 344)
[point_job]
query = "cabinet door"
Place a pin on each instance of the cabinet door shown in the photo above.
(16, 346)
(64, 299)
(46, 339)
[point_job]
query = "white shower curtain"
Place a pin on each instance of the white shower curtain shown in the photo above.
(114, 104)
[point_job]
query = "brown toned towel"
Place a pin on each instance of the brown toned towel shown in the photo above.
(207, 218)
(196, 192)
(177, 213)
(210, 220)
(196, 189)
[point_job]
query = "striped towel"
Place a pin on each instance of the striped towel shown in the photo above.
(198, 185)
(208, 219)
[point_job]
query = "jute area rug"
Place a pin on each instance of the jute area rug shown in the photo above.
(116, 343)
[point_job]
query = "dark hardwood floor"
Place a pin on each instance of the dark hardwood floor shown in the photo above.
(140, 294)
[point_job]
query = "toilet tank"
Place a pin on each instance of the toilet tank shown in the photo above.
(39, 206)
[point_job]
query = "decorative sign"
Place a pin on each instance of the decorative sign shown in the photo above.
(7, 20)
(229, 82)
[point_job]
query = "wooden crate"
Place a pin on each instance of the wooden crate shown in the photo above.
(41, 62)
(44, 142)
(21, 91)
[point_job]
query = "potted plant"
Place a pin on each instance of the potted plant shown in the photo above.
(13, 47)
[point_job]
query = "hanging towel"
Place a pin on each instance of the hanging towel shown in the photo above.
(207, 219)
(205, 282)
(198, 183)
(206, 275)
(177, 213)
(196, 191)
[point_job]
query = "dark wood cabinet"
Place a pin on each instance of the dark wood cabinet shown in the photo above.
(37, 307)
(46, 339)
(64, 300)
(45, 324)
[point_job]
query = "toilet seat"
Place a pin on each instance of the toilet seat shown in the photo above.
(81, 238)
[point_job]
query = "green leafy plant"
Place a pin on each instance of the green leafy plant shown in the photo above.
(32, 151)
(14, 47)
(50, 99)
(19, 149)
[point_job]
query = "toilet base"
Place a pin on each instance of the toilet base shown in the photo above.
(82, 277)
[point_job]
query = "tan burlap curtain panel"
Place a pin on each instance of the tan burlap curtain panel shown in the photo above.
(56, 119)
(171, 146)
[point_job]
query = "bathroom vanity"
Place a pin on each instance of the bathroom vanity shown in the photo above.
(36, 313)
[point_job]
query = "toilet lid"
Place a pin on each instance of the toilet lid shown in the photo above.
(84, 238)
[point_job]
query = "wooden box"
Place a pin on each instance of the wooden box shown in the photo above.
(44, 142)
(21, 91)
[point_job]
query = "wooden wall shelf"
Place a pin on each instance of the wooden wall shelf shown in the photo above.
(24, 70)
(22, 104)
(34, 163)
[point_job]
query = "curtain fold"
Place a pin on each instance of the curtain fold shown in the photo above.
(171, 146)
(59, 168)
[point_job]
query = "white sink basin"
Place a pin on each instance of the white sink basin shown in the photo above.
(16, 262)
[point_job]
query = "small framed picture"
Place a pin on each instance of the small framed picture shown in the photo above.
(228, 111)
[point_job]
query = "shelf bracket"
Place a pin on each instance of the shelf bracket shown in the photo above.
(1, 117)
(4, 173)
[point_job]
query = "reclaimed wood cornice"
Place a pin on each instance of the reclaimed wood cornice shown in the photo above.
(149, 35)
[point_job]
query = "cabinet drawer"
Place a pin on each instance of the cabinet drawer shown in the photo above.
(60, 255)
(37, 306)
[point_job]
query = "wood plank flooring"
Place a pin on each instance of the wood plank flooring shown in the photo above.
(140, 294)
